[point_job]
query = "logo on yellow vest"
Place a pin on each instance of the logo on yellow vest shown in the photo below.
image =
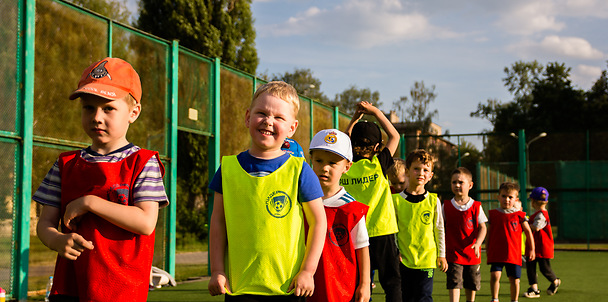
(278, 204)
(426, 217)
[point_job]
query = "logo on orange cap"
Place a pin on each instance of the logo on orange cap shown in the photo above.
(110, 78)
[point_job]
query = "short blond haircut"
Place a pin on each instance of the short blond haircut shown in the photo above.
(280, 90)
(398, 168)
(421, 155)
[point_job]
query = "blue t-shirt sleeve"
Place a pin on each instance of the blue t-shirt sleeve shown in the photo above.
(310, 188)
(216, 181)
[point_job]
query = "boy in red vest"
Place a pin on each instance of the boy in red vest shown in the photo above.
(543, 239)
(465, 230)
(504, 240)
(105, 197)
(343, 271)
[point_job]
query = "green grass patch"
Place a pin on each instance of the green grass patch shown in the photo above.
(583, 277)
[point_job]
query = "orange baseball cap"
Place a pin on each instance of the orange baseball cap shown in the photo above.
(110, 78)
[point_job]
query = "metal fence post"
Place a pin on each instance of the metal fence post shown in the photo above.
(173, 123)
(23, 195)
(522, 169)
(214, 141)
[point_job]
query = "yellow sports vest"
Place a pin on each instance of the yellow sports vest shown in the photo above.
(367, 184)
(416, 237)
(264, 226)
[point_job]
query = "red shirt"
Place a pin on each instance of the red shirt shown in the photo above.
(504, 240)
(336, 278)
(461, 229)
(118, 268)
(543, 238)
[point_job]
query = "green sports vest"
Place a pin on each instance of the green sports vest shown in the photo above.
(416, 237)
(264, 226)
(367, 184)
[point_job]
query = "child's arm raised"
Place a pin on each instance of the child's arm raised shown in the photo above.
(69, 245)
(363, 289)
(529, 241)
(393, 136)
(139, 219)
(303, 283)
(218, 284)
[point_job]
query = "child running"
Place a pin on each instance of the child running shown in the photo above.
(343, 272)
(543, 240)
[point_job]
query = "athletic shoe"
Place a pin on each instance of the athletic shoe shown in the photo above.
(531, 293)
(553, 288)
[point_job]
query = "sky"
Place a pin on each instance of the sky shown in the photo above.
(460, 47)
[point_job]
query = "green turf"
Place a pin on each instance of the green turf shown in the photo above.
(584, 276)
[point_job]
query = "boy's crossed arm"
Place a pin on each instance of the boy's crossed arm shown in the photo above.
(139, 219)
(69, 245)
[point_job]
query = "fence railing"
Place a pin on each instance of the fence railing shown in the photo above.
(46, 45)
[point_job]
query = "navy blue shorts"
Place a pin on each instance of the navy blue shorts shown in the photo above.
(513, 270)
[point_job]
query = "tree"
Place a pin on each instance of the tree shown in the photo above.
(215, 28)
(113, 9)
(303, 80)
(418, 111)
(348, 99)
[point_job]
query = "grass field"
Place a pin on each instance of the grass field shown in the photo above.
(584, 278)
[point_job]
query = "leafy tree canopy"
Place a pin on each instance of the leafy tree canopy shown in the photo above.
(304, 81)
(348, 99)
(215, 28)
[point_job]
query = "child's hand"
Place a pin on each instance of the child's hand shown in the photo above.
(366, 107)
(74, 210)
(303, 283)
(71, 245)
(218, 284)
(363, 293)
(442, 264)
(531, 255)
(477, 250)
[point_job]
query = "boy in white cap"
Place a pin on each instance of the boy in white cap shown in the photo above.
(345, 257)
(105, 197)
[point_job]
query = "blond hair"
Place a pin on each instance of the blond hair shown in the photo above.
(280, 90)
(398, 168)
(421, 155)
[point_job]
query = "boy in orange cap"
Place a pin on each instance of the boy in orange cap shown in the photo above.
(105, 197)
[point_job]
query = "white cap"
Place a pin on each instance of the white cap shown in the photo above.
(334, 141)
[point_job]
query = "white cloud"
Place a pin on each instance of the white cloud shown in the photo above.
(584, 75)
(530, 17)
(584, 8)
(361, 24)
(563, 47)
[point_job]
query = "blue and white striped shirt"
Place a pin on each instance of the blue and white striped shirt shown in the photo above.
(148, 185)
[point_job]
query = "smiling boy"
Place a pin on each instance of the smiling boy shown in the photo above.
(262, 197)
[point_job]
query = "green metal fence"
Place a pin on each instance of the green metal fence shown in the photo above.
(46, 45)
